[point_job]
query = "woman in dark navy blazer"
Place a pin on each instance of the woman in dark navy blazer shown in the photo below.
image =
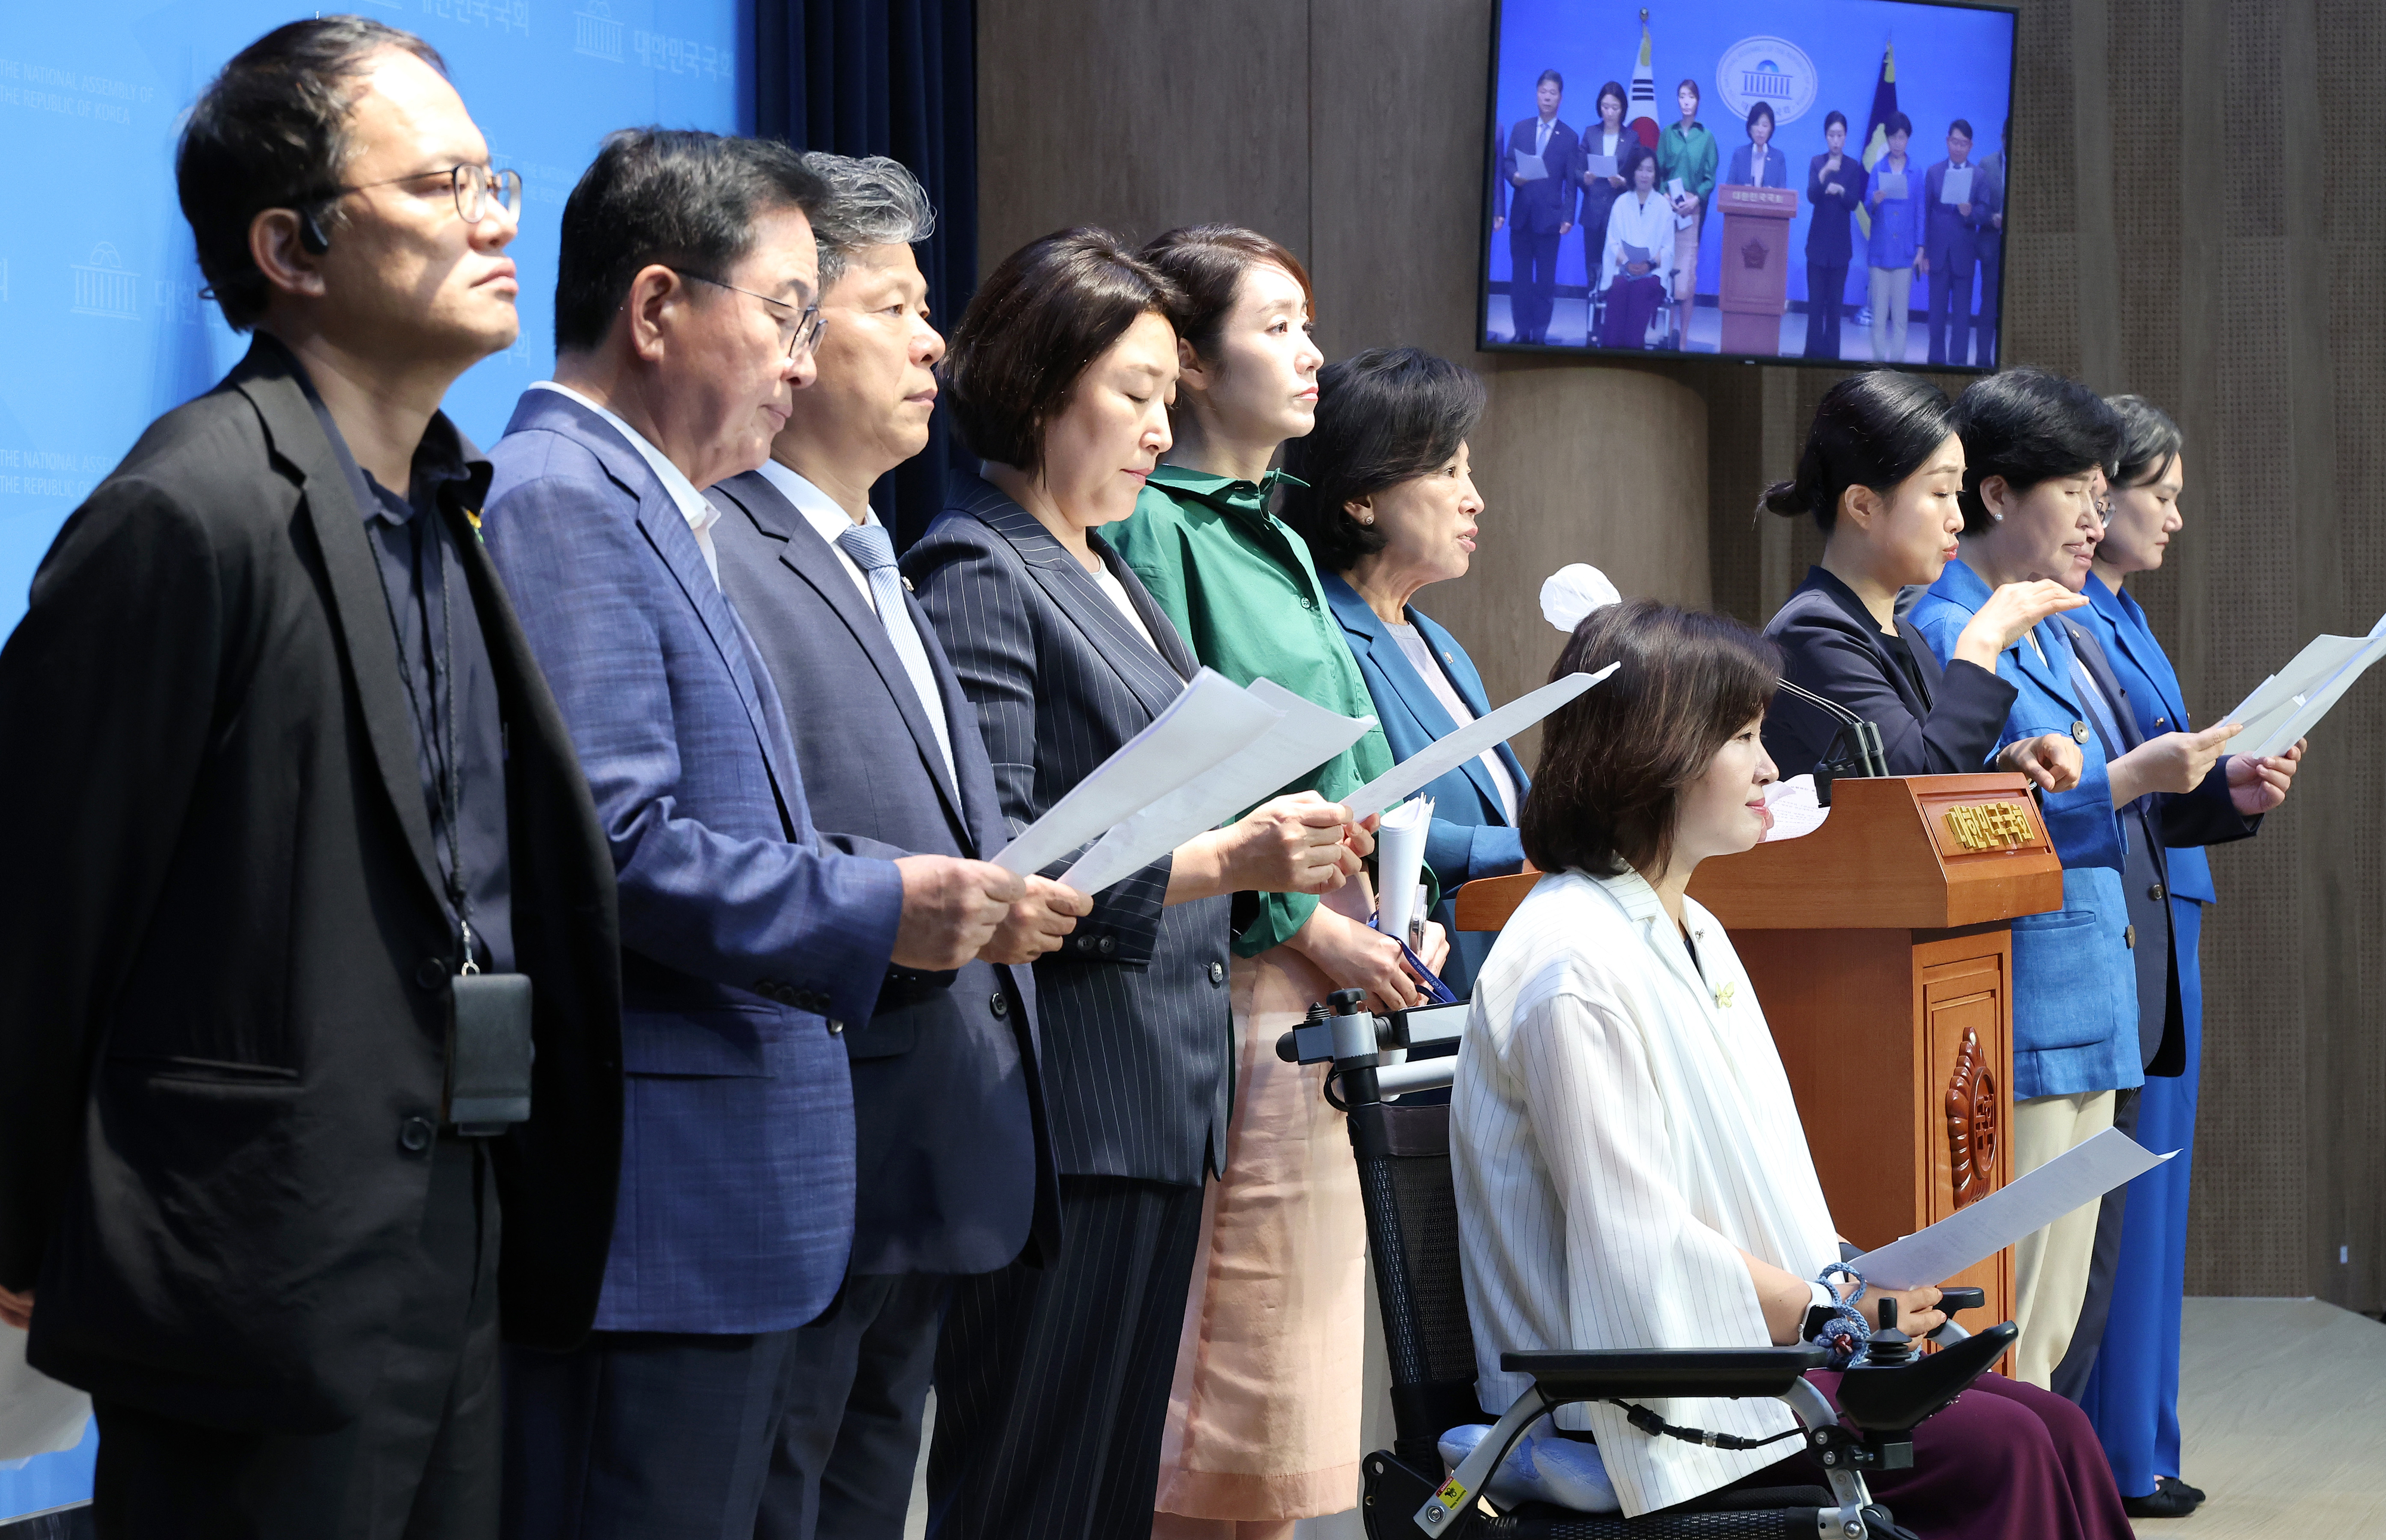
(1881, 475)
(1053, 1375)
(1835, 187)
(1390, 506)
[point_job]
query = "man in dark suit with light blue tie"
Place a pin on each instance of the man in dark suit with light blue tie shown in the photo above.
(1951, 249)
(1536, 209)
(684, 320)
(954, 1170)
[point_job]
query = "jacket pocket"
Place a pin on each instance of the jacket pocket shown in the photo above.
(710, 1039)
(2068, 968)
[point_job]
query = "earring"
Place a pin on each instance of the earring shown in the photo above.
(1368, 519)
(1996, 516)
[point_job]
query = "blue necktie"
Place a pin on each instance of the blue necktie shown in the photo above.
(872, 550)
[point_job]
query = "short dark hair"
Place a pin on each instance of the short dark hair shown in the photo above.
(678, 196)
(2150, 440)
(1207, 262)
(1629, 165)
(1834, 115)
(1385, 416)
(2029, 426)
(1872, 430)
(1546, 76)
(1897, 122)
(1691, 86)
(270, 132)
(1960, 126)
(1763, 110)
(1614, 89)
(1032, 328)
(1605, 794)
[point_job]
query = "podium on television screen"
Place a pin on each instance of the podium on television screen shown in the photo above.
(1880, 951)
(1755, 265)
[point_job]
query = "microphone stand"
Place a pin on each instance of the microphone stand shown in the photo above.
(1863, 738)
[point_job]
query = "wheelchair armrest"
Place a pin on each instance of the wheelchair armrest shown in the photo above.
(1729, 1371)
(1953, 1300)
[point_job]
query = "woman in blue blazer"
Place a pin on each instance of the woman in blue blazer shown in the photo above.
(2035, 446)
(1758, 154)
(2132, 1393)
(1881, 474)
(1389, 507)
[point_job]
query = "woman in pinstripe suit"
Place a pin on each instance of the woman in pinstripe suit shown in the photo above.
(1052, 1380)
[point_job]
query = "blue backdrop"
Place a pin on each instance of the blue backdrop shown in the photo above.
(100, 311)
(99, 291)
(1951, 63)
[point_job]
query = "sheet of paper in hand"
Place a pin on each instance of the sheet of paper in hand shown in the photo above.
(1421, 769)
(1529, 167)
(1956, 186)
(2022, 1207)
(1603, 166)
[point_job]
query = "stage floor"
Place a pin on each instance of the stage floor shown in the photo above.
(2282, 1408)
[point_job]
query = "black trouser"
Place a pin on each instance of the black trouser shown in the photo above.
(849, 1440)
(1984, 331)
(1951, 315)
(1532, 283)
(1827, 290)
(1053, 1383)
(420, 1463)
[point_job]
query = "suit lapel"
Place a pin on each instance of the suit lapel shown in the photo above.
(359, 602)
(810, 558)
(2137, 639)
(1461, 673)
(1926, 662)
(2100, 668)
(1074, 591)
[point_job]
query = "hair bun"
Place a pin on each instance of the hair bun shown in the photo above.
(1789, 499)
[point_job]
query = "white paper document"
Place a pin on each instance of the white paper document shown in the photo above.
(1400, 860)
(1795, 808)
(1303, 736)
(2290, 703)
(1415, 774)
(1210, 719)
(1892, 184)
(1956, 186)
(1602, 165)
(1529, 167)
(2079, 1175)
(38, 1416)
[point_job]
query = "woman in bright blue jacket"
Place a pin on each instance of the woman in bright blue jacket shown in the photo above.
(1389, 507)
(2035, 448)
(2132, 1392)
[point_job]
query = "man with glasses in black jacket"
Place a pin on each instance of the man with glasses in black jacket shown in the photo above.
(310, 873)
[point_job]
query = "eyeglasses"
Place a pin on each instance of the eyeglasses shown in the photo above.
(801, 334)
(476, 187)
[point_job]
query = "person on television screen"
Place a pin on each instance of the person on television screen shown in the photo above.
(1757, 162)
(1611, 141)
(1835, 186)
(1538, 164)
(1639, 231)
(1896, 199)
(1686, 172)
(1990, 239)
(1958, 198)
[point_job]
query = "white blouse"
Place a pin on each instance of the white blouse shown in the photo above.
(1632, 222)
(1621, 1130)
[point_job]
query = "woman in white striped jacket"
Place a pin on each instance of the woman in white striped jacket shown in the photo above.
(1631, 1169)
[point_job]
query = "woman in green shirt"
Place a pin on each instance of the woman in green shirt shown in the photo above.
(1265, 1428)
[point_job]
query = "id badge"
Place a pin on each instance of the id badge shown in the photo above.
(488, 1052)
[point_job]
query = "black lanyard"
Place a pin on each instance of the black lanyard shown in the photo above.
(447, 772)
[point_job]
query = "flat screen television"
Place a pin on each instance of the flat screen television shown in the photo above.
(1793, 181)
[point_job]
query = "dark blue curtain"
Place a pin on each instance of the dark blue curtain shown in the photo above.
(894, 78)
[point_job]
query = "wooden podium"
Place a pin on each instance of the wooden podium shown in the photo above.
(1755, 265)
(1878, 949)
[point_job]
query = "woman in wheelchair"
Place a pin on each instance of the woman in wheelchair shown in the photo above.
(1630, 1166)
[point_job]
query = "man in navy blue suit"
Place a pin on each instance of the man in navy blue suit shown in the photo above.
(684, 320)
(1951, 249)
(1541, 209)
(954, 1173)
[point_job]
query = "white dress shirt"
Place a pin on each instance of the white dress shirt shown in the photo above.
(1621, 1130)
(700, 515)
(829, 520)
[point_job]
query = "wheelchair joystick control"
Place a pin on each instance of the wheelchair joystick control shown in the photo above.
(1888, 1346)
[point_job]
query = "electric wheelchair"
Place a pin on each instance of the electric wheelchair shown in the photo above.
(1403, 1158)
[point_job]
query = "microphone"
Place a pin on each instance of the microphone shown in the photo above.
(1862, 737)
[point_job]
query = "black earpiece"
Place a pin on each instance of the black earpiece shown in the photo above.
(311, 238)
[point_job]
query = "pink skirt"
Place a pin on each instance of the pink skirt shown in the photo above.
(1263, 1419)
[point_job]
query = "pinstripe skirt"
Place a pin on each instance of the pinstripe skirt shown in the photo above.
(1263, 1420)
